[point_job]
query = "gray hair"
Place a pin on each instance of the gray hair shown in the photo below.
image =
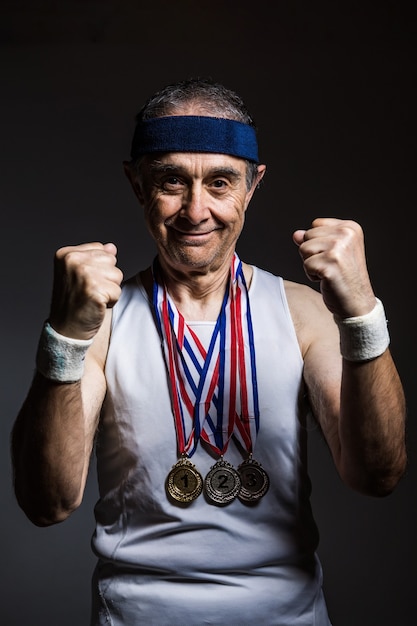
(212, 98)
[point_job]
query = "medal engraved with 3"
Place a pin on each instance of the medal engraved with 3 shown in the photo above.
(184, 482)
(222, 483)
(255, 481)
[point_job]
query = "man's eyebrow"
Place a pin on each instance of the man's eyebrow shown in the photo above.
(158, 167)
(166, 168)
(229, 172)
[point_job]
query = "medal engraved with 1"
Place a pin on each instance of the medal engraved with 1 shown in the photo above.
(255, 481)
(222, 483)
(184, 482)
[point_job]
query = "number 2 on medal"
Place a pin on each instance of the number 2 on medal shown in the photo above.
(223, 482)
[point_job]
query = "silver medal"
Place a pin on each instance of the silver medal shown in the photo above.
(222, 483)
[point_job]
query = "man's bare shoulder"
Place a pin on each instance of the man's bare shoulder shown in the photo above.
(311, 317)
(300, 296)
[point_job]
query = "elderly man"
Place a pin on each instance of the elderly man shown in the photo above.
(193, 381)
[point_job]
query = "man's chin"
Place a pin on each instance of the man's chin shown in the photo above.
(192, 257)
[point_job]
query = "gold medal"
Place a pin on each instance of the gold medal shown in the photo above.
(222, 483)
(255, 481)
(184, 482)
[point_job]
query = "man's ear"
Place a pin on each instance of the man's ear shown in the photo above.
(261, 174)
(256, 183)
(133, 180)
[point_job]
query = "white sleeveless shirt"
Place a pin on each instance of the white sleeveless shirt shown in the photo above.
(164, 564)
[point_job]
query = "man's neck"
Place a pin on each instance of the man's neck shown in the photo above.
(198, 297)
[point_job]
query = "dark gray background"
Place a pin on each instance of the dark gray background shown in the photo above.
(332, 87)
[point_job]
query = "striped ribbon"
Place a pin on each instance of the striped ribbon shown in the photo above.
(214, 393)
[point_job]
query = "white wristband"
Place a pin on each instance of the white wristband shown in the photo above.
(61, 358)
(364, 337)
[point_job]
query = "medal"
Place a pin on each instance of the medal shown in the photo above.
(222, 483)
(255, 481)
(184, 482)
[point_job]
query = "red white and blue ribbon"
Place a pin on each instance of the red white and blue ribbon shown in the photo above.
(214, 392)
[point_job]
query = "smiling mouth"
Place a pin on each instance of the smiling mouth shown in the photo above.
(192, 238)
(193, 233)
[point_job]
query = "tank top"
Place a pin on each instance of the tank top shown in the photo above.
(168, 564)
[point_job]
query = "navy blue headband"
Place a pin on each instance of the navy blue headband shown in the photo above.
(193, 133)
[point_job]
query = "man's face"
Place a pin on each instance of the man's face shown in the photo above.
(194, 208)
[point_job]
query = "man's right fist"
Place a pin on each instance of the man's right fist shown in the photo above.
(86, 283)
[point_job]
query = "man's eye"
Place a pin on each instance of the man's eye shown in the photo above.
(171, 183)
(219, 184)
(172, 180)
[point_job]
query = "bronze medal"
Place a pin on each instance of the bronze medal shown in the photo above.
(222, 483)
(184, 482)
(255, 481)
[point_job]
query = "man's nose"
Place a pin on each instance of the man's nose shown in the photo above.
(195, 205)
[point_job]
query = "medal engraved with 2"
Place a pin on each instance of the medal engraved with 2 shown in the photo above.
(222, 483)
(184, 482)
(255, 481)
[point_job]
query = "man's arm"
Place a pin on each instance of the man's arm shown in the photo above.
(360, 405)
(54, 432)
(52, 440)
